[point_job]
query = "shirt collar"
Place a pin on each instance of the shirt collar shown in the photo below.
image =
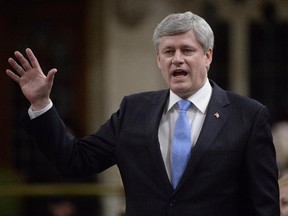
(200, 99)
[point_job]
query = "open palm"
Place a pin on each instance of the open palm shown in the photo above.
(35, 86)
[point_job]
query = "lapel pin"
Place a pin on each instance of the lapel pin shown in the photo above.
(217, 115)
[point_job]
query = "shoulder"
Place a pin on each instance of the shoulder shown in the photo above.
(235, 99)
(143, 102)
(239, 106)
(245, 103)
(248, 108)
(239, 99)
(149, 96)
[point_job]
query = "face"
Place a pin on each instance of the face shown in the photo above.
(183, 63)
(284, 200)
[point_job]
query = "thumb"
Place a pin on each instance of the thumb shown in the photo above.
(51, 74)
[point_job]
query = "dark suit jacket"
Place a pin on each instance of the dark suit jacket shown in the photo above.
(231, 172)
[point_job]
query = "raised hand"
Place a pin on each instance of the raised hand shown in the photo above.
(35, 86)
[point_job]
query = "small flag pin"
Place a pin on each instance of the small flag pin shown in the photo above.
(217, 115)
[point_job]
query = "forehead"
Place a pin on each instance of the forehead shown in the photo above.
(183, 39)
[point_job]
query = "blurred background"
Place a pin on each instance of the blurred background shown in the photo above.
(103, 51)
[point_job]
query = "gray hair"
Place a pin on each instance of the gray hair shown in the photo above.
(179, 23)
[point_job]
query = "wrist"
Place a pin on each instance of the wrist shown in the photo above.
(41, 104)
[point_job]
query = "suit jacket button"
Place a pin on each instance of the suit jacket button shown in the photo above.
(172, 203)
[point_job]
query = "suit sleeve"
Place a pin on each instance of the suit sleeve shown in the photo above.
(74, 157)
(260, 168)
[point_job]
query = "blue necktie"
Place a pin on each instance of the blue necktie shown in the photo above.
(181, 146)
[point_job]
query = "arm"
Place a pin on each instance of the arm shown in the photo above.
(73, 157)
(70, 156)
(261, 169)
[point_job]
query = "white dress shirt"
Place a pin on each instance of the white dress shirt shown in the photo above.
(34, 114)
(196, 115)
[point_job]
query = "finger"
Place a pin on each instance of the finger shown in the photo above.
(16, 66)
(25, 63)
(32, 58)
(51, 75)
(13, 76)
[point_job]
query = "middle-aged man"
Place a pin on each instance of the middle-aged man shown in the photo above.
(191, 150)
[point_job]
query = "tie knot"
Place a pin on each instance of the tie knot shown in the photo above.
(184, 104)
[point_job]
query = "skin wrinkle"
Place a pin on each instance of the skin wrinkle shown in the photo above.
(183, 53)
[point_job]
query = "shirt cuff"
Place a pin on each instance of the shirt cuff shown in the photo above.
(34, 114)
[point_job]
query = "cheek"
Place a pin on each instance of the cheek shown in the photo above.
(285, 211)
(200, 67)
(165, 75)
(163, 64)
(164, 68)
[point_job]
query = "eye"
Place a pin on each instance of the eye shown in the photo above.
(188, 51)
(168, 52)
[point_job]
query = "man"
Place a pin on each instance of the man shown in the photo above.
(230, 168)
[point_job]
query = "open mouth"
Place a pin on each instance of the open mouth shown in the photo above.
(178, 72)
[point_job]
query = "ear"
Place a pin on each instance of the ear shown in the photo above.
(158, 60)
(208, 56)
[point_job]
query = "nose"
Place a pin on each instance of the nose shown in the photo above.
(177, 58)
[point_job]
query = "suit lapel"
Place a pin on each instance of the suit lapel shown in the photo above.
(153, 114)
(217, 114)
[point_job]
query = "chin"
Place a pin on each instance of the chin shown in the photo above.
(182, 93)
